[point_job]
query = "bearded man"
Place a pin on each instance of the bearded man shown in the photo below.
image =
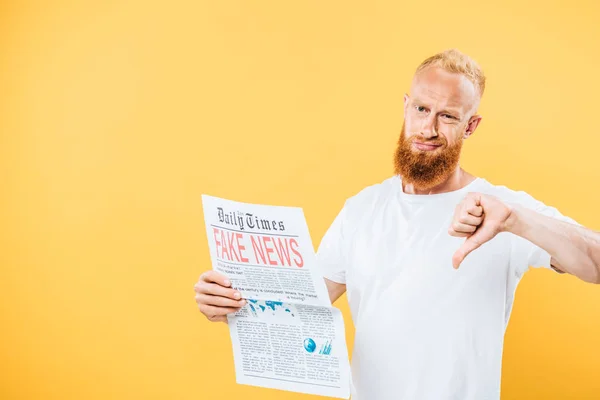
(430, 258)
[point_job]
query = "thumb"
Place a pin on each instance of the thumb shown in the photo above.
(471, 243)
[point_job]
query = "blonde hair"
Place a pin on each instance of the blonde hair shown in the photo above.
(452, 60)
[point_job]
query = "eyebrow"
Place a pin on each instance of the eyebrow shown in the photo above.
(450, 111)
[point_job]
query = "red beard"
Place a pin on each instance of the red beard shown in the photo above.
(424, 169)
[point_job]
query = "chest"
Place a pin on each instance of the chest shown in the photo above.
(403, 256)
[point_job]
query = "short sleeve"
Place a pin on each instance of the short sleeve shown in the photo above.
(525, 253)
(331, 257)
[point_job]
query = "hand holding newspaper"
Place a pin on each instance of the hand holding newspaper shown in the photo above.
(288, 336)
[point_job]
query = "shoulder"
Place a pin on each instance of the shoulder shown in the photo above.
(372, 196)
(509, 195)
(365, 204)
(524, 199)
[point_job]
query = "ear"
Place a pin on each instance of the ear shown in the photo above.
(406, 100)
(472, 125)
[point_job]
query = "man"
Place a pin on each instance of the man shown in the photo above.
(431, 257)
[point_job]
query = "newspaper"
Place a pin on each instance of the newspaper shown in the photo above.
(287, 336)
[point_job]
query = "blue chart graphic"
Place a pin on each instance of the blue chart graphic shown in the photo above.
(326, 348)
(268, 306)
(310, 346)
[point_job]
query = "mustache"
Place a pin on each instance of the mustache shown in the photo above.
(434, 142)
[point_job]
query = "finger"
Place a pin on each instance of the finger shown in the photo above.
(216, 318)
(215, 277)
(452, 232)
(469, 202)
(475, 210)
(475, 197)
(472, 243)
(219, 301)
(211, 311)
(217, 290)
(470, 219)
(459, 227)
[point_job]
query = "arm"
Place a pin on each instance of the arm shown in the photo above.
(335, 289)
(574, 249)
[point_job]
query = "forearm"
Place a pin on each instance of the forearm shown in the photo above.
(576, 249)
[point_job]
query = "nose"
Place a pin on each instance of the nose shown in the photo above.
(429, 128)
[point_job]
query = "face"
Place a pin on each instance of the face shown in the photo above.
(437, 118)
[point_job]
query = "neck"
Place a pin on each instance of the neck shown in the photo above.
(457, 180)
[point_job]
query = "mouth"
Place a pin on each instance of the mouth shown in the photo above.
(425, 146)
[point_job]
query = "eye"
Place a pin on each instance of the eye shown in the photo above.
(448, 116)
(420, 108)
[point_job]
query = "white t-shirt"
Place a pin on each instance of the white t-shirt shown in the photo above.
(423, 329)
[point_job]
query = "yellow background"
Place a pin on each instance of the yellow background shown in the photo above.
(115, 116)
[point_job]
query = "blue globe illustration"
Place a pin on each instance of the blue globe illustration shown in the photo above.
(310, 345)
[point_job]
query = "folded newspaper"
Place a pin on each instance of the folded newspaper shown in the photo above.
(287, 336)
